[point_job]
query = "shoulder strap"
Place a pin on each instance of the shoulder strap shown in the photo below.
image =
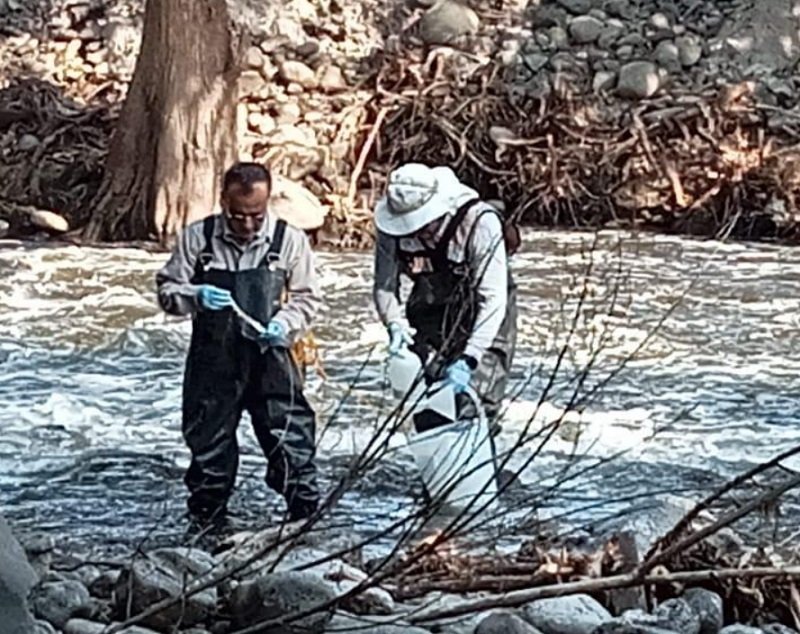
(276, 244)
(208, 234)
(439, 255)
(206, 254)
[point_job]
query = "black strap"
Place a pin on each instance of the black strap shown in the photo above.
(276, 244)
(208, 233)
(206, 255)
(439, 254)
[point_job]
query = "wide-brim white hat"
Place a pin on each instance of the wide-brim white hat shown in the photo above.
(417, 195)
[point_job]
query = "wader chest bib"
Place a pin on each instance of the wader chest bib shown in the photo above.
(443, 306)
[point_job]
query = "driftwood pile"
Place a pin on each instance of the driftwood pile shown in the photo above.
(719, 163)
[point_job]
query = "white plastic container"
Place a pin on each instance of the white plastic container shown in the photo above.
(456, 460)
(403, 371)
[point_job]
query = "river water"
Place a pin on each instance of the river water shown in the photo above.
(682, 356)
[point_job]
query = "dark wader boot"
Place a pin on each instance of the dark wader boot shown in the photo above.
(226, 374)
(443, 307)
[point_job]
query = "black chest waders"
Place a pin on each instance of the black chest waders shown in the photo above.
(227, 373)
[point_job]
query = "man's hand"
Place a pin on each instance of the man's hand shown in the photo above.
(214, 298)
(398, 338)
(458, 375)
(275, 335)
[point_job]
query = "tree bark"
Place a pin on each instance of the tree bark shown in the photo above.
(177, 129)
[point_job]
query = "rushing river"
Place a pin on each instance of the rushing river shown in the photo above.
(693, 350)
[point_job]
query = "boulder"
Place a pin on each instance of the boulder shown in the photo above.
(708, 607)
(17, 577)
(574, 614)
(59, 601)
(638, 80)
(505, 622)
(282, 594)
(295, 204)
(446, 21)
(163, 574)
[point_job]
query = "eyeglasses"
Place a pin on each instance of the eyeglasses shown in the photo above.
(239, 216)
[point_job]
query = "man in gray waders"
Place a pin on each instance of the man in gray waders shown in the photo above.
(436, 230)
(244, 256)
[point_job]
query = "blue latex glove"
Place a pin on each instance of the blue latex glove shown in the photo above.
(398, 337)
(458, 375)
(275, 335)
(214, 298)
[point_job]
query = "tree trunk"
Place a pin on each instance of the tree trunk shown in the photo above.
(177, 129)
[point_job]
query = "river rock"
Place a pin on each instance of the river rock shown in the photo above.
(549, 15)
(103, 586)
(574, 614)
(617, 8)
(668, 55)
(677, 615)
(505, 622)
(370, 601)
(738, 628)
(343, 623)
(708, 607)
(49, 221)
(690, 49)
(331, 79)
(585, 29)
(292, 71)
(638, 80)
(447, 20)
(43, 627)
(17, 577)
(254, 58)
(280, 594)
(28, 142)
(673, 615)
(777, 628)
(5, 227)
(82, 626)
(163, 574)
(603, 80)
(59, 601)
(578, 7)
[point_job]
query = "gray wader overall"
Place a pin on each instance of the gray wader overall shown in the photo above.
(443, 308)
(227, 373)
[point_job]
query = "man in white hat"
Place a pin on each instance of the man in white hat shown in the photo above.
(462, 308)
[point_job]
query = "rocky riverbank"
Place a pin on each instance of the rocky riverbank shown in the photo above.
(278, 580)
(327, 92)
